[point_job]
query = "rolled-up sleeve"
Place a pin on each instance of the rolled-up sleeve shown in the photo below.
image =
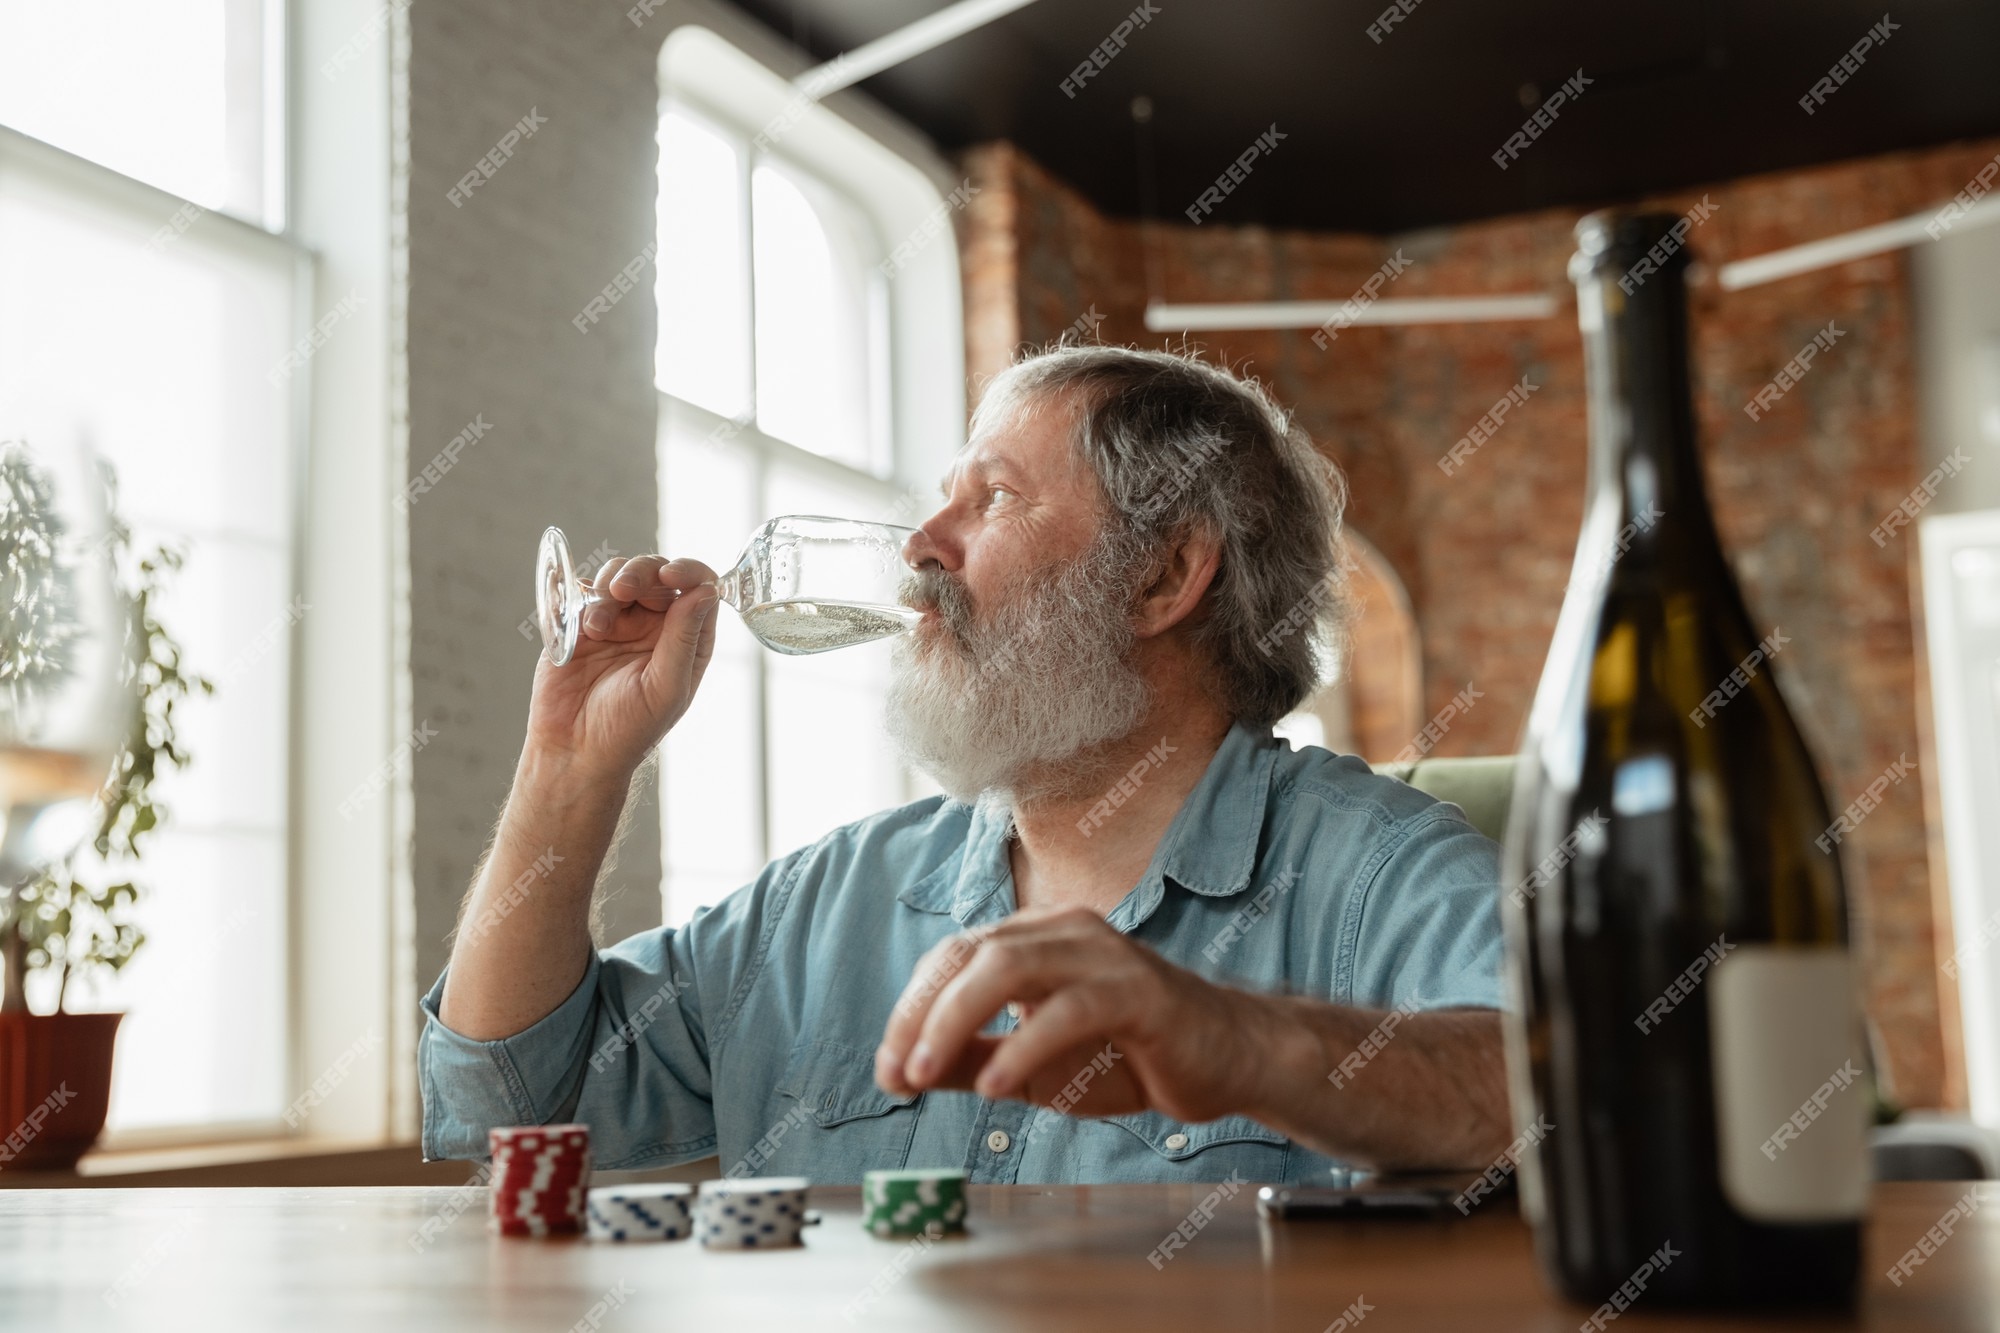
(628, 1053)
(471, 1086)
(624, 1054)
(1430, 933)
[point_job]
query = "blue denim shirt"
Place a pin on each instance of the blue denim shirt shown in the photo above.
(751, 1031)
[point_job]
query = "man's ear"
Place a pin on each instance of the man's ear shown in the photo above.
(1182, 576)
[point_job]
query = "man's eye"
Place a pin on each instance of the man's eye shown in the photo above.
(995, 494)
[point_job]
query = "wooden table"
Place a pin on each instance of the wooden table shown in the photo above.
(1038, 1258)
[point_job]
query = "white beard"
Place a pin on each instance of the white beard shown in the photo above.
(1005, 706)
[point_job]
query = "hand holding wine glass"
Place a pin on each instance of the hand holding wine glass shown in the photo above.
(627, 650)
(640, 647)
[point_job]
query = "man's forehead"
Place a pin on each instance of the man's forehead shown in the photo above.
(1027, 442)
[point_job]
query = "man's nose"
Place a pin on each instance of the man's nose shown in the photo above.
(933, 544)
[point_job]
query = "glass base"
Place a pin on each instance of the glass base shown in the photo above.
(559, 603)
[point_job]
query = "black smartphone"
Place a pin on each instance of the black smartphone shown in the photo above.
(1368, 1196)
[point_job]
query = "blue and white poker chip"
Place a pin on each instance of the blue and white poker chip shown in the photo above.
(753, 1214)
(639, 1212)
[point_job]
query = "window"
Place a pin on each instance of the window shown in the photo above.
(186, 96)
(799, 373)
(131, 316)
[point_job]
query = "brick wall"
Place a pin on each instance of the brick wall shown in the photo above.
(1485, 552)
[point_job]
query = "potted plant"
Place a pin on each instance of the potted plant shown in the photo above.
(55, 1068)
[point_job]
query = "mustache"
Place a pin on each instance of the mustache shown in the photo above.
(936, 590)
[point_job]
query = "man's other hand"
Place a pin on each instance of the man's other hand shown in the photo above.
(1108, 1026)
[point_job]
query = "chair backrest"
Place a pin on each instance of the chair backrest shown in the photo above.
(1481, 787)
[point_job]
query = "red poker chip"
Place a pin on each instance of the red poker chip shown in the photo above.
(538, 1178)
(525, 1173)
(544, 1199)
(538, 1198)
(553, 1192)
(558, 1151)
(567, 1219)
(552, 1185)
(509, 1167)
(509, 1228)
(534, 1137)
(529, 1170)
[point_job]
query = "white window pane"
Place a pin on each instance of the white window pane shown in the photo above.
(814, 311)
(172, 94)
(230, 609)
(795, 491)
(709, 791)
(1301, 729)
(203, 1040)
(708, 500)
(704, 340)
(163, 357)
(711, 768)
(831, 762)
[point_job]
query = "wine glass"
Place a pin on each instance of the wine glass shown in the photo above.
(63, 709)
(804, 584)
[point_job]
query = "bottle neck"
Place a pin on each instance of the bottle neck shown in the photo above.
(1643, 462)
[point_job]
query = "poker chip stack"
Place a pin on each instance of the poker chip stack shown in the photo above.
(913, 1203)
(538, 1178)
(758, 1214)
(640, 1212)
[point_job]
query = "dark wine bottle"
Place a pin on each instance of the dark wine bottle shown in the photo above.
(1683, 1021)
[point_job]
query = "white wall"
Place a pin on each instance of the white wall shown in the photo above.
(1957, 284)
(1958, 364)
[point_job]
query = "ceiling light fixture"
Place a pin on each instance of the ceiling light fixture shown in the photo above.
(905, 42)
(1830, 250)
(1162, 317)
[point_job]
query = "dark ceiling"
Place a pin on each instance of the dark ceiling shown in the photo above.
(1399, 134)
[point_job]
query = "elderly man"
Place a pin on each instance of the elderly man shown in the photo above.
(1139, 938)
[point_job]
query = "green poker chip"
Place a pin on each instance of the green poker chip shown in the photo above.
(925, 1202)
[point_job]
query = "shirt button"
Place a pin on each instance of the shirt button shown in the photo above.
(1176, 1141)
(998, 1140)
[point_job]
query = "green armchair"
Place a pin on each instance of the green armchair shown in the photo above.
(1481, 787)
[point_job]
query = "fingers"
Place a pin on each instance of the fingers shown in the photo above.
(651, 582)
(682, 652)
(936, 969)
(601, 616)
(1021, 966)
(1062, 1034)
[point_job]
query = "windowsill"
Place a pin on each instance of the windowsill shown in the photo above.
(249, 1162)
(288, 1163)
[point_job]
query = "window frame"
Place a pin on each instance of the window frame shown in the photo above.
(923, 427)
(107, 192)
(337, 164)
(882, 318)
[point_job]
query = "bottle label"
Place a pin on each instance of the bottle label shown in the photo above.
(1791, 1100)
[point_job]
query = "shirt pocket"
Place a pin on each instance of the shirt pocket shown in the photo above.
(850, 1124)
(1235, 1146)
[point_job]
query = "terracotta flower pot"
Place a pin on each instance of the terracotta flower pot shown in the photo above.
(55, 1085)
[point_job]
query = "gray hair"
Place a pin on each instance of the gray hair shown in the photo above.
(1179, 446)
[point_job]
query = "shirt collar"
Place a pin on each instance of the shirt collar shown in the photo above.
(1210, 848)
(961, 884)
